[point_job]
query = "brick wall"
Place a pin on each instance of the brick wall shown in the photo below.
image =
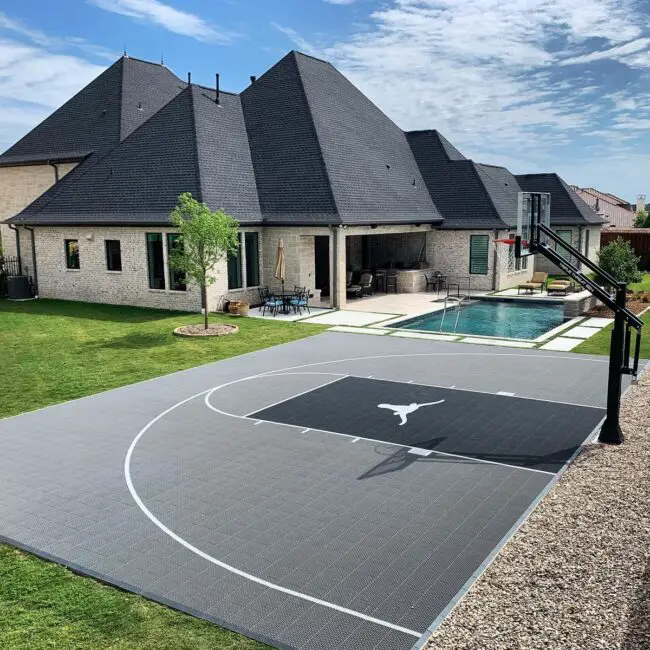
(92, 282)
(19, 186)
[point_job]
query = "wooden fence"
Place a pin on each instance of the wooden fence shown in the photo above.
(639, 239)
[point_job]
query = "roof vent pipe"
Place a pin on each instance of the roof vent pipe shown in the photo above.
(253, 78)
(216, 99)
(189, 78)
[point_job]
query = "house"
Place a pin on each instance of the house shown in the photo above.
(617, 212)
(301, 154)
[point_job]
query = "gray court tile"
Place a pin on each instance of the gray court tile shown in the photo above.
(363, 525)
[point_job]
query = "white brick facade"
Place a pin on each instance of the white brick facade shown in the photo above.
(578, 240)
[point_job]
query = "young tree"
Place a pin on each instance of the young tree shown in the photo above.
(619, 260)
(206, 237)
(642, 220)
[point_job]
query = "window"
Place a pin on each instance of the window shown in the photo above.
(177, 281)
(72, 253)
(564, 235)
(512, 260)
(234, 269)
(479, 247)
(252, 250)
(113, 255)
(155, 260)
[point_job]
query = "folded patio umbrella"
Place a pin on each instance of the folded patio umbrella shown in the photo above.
(280, 264)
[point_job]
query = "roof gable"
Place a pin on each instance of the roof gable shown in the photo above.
(89, 121)
(224, 161)
(456, 186)
(139, 181)
(567, 208)
(290, 173)
(369, 164)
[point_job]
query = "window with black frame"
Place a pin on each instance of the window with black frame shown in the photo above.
(234, 268)
(155, 260)
(177, 279)
(113, 255)
(251, 243)
(72, 254)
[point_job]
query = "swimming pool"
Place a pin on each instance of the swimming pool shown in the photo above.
(504, 319)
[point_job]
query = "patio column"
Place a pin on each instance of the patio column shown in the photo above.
(338, 298)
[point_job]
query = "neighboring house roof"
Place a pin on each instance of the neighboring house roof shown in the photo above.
(469, 194)
(616, 215)
(612, 198)
(567, 208)
(190, 145)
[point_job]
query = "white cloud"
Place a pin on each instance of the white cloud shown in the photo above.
(485, 72)
(33, 82)
(54, 42)
(619, 52)
(174, 20)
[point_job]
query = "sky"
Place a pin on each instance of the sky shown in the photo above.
(535, 85)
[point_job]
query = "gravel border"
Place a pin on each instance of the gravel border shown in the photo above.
(577, 573)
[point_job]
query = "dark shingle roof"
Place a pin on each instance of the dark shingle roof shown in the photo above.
(289, 169)
(457, 186)
(139, 181)
(370, 167)
(567, 208)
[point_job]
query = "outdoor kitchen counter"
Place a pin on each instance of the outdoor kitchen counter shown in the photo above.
(409, 280)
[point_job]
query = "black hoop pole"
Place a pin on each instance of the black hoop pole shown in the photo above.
(610, 432)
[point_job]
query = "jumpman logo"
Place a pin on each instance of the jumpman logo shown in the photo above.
(403, 410)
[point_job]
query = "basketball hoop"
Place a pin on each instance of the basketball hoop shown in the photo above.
(504, 241)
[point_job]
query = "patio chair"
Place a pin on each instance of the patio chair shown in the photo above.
(538, 281)
(559, 286)
(300, 300)
(269, 301)
(364, 288)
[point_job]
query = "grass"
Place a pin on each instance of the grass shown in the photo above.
(642, 286)
(599, 343)
(45, 606)
(52, 351)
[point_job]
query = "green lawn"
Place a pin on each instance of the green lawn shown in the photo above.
(643, 286)
(599, 343)
(52, 351)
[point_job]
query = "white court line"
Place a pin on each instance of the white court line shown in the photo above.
(248, 576)
(275, 373)
(306, 431)
(304, 392)
(258, 422)
(223, 565)
(356, 440)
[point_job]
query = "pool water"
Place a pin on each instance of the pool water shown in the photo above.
(505, 319)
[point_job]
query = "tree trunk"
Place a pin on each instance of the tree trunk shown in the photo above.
(204, 291)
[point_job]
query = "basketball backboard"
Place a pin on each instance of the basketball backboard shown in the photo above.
(533, 208)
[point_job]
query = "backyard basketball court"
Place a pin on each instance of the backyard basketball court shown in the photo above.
(342, 491)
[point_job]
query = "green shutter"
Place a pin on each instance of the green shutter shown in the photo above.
(479, 250)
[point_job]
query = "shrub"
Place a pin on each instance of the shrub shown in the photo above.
(619, 260)
(642, 220)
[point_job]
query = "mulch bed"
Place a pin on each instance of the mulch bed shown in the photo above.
(635, 306)
(199, 330)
